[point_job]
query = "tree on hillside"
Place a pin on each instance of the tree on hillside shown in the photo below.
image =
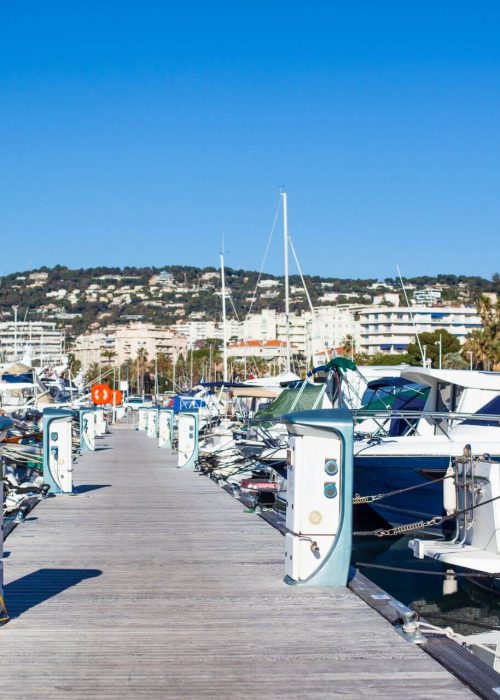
(430, 340)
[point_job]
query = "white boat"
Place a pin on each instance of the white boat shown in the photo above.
(414, 445)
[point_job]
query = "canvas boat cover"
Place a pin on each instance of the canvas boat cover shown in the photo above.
(284, 403)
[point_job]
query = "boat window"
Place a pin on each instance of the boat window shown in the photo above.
(457, 395)
(444, 397)
(492, 408)
(448, 397)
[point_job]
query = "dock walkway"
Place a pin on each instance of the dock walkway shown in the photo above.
(154, 583)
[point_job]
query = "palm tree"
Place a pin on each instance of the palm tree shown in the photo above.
(484, 345)
(109, 355)
(141, 365)
(93, 373)
(164, 367)
(74, 364)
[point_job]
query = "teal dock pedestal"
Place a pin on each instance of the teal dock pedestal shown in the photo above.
(319, 497)
(165, 427)
(57, 449)
(188, 448)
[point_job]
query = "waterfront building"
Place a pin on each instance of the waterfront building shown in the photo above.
(41, 341)
(200, 331)
(330, 327)
(115, 345)
(265, 349)
(390, 330)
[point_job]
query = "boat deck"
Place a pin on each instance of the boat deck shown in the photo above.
(154, 583)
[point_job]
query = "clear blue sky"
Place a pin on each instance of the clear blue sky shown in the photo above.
(136, 132)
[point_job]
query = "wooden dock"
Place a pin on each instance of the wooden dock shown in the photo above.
(154, 583)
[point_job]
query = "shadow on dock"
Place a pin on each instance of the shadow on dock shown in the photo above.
(31, 590)
(83, 488)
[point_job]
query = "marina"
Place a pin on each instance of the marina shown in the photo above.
(175, 591)
(250, 351)
(261, 524)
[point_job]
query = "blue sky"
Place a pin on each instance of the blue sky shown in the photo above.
(138, 132)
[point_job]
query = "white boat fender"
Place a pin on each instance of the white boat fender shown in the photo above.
(449, 491)
(450, 583)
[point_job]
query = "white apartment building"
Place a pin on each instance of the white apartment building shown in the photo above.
(265, 349)
(298, 331)
(117, 344)
(308, 333)
(390, 330)
(268, 284)
(195, 331)
(330, 327)
(425, 297)
(41, 341)
(261, 326)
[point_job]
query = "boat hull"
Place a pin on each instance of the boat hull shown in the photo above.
(383, 474)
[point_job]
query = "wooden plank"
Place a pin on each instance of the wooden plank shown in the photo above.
(154, 583)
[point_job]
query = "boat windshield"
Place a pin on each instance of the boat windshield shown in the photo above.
(396, 394)
(412, 398)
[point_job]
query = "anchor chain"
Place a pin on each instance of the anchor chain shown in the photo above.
(358, 500)
(401, 529)
(410, 527)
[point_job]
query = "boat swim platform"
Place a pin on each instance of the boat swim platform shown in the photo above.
(153, 582)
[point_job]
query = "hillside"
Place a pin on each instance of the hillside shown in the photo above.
(85, 298)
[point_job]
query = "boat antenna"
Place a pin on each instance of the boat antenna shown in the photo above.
(224, 320)
(411, 316)
(287, 282)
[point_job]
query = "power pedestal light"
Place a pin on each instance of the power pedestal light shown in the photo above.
(152, 422)
(87, 429)
(187, 430)
(143, 419)
(319, 497)
(165, 427)
(57, 449)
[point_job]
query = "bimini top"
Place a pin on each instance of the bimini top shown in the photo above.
(461, 377)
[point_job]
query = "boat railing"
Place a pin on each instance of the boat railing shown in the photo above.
(442, 421)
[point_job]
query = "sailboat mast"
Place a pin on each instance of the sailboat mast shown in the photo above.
(224, 320)
(287, 286)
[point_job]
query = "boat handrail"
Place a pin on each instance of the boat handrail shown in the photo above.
(439, 415)
(412, 418)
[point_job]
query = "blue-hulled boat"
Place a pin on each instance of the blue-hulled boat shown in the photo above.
(411, 443)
